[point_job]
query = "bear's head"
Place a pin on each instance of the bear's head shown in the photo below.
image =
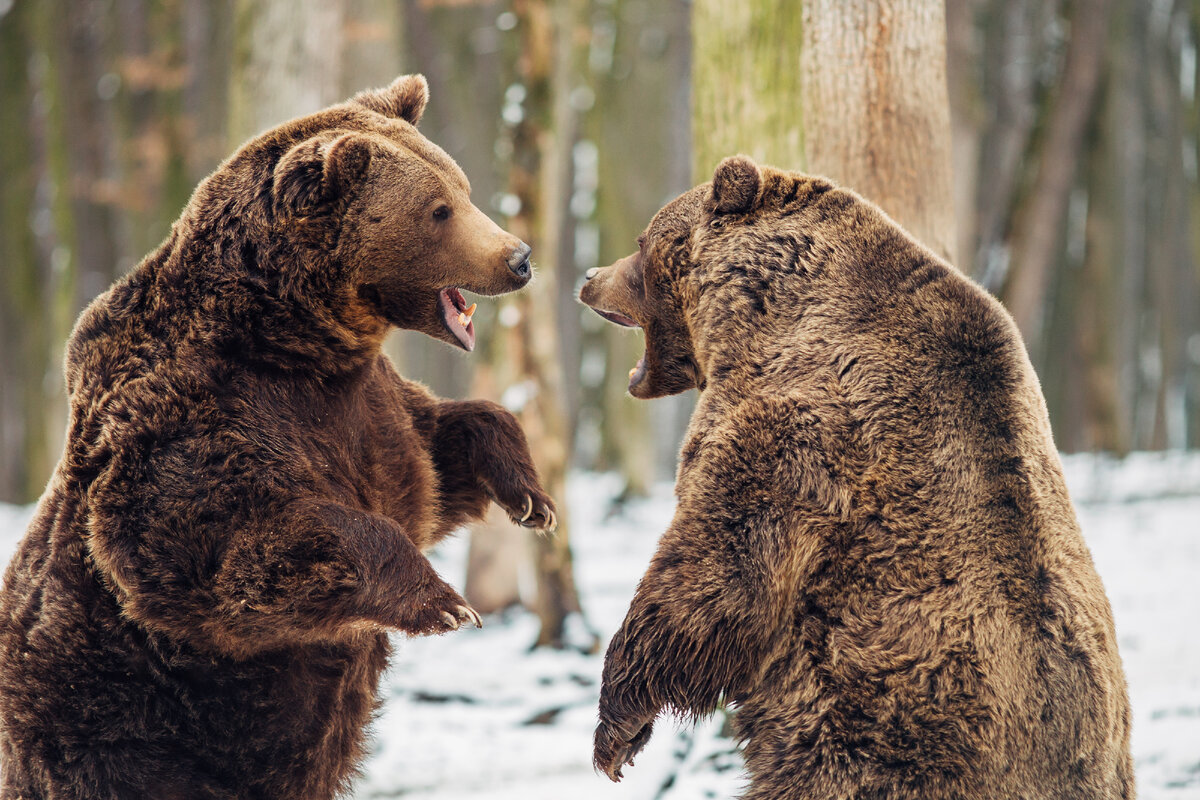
(658, 289)
(718, 269)
(380, 219)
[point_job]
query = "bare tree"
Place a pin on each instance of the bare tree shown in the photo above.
(1039, 225)
(542, 131)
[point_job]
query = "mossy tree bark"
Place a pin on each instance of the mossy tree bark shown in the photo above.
(27, 330)
(747, 83)
(851, 89)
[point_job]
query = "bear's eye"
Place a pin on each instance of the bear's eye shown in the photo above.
(441, 213)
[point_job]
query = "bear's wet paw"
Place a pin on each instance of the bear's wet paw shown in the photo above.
(613, 752)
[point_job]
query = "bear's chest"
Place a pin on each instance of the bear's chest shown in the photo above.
(355, 445)
(375, 459)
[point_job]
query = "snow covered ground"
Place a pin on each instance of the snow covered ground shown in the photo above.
(475, 715)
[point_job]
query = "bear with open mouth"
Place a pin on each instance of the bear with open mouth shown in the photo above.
(873, 556)
(200, 606)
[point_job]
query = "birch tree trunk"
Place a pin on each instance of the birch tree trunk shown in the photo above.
(287, 61)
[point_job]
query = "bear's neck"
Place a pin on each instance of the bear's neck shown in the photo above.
(253, 305)
(739, 331)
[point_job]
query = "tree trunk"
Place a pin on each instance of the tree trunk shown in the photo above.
(541, 127)
(875, 110)
(287, 61)
(494, 562)
(1038, 227)
(638, 64)
(967, 116)
(747, 83)
(27, 335)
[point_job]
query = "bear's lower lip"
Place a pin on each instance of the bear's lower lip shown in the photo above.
(617, 318)
(453, 308)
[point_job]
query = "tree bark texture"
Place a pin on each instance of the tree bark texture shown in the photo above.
(875, 109)
(746, 83)
(537, 179)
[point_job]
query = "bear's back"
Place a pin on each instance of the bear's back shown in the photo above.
(952, 630)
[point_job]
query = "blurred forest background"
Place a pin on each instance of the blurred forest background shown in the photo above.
(1047, 147)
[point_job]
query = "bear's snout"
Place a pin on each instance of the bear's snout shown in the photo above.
(518, 260)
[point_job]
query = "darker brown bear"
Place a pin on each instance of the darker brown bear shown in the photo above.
(199, 608)
(874, 555)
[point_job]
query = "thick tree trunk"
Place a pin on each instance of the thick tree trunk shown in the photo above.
(746, 84)
(875, 111)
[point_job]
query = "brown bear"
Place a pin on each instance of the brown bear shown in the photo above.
(199, 607)
(873, 556)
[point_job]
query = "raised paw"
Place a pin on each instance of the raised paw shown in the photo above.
(613, 750)
(529, 507)
(445, 612)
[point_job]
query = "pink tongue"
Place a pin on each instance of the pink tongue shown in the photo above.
(452, 305)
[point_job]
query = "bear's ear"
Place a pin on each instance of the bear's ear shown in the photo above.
(735, 185)
(320, 171)
(405, 99)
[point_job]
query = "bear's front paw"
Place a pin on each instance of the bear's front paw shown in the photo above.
(444, 612)
(614, 748)
(528, 506)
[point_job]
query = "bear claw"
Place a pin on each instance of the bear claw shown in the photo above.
(536, 514)
(470, 614)
(459, 615)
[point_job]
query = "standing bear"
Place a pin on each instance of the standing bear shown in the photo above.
(874, 555)
(199, 607)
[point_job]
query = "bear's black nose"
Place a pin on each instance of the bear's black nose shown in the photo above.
(518, 260)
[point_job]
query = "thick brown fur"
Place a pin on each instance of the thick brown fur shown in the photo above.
(874, 555)
(199, 607)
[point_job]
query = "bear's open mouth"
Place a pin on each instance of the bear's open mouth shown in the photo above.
(638, 373)
(618, 318)
(456, 316)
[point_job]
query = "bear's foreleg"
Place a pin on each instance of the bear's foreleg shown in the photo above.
(306, 570)
(695, 634)
(481, 455)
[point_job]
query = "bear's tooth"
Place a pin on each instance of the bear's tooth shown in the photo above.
(470, 312)
(633, 372)
(463, 319)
